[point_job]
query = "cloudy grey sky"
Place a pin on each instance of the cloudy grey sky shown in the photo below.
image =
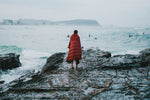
(109, 12)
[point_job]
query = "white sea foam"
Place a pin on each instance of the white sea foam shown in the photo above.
(30, 60)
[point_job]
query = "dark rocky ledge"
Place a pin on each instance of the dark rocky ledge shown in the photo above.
(100, 76)
(9, 61)
(53, 62)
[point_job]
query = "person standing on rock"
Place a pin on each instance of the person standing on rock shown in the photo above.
(74, 49)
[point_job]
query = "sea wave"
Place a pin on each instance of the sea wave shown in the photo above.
(31, 60)
(10, 49)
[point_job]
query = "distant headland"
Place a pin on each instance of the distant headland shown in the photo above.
(87, 22)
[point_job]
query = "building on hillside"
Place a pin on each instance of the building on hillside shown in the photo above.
(7, 22)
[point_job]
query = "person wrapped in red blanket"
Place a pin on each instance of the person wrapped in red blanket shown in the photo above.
(74, 49)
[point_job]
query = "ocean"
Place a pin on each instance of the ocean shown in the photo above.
(35, 43)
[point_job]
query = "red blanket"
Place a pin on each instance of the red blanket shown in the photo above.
(74, 48)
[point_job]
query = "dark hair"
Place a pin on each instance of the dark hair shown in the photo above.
(76, 31)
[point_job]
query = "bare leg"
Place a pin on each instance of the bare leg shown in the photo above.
(76, 65)
(72, 65)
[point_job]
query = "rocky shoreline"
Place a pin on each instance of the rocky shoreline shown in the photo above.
(9, 61)
(100, 76)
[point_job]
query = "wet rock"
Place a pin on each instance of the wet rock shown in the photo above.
(104, 60)
(104, 54)
(6, 98)
(53, 62)
(9, 61)
(98, 78)
(93, 93)
(2, 82)
(122, 61)
(145, 56)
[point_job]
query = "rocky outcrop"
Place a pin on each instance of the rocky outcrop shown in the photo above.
(53, 62)
(2, 82)
(145, 56)
(9, 61)
(103, 59)
(104, 54)
(120, 77)
(122, 61)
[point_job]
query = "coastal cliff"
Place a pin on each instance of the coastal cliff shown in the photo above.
(99, 76)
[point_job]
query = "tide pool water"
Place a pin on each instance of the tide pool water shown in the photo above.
(36, 43)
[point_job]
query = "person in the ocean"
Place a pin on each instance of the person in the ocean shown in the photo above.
(74, 49)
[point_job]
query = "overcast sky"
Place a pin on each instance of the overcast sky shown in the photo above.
(109, 12)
